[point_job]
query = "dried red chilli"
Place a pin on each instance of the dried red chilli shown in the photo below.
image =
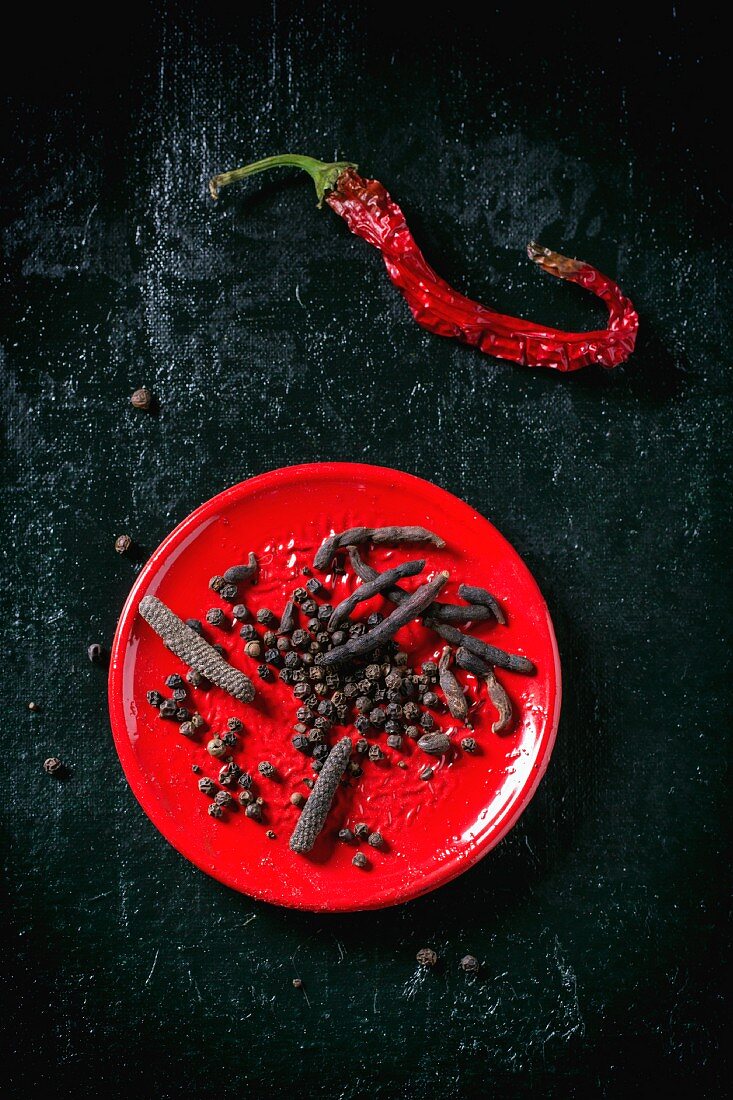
(371, 214)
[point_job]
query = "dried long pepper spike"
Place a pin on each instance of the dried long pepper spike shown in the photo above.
(314, 813)
(237, 573)
(471, 594)
(194, 651)
(490, 653)
(371, 214)
(441, 612)
(452, 690)
(373, 588)
(288, 618)
(354, 536)
(410, 609)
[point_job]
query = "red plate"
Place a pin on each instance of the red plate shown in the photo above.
(433, 830)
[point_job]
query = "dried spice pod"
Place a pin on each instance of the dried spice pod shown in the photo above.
(197, 653)
(410, 609)
(381, 583)
(237, 573)
(502, 702)
(315, 811)
(441, 612)
(471, 594)
(288, 618)
(452, 690)
(390, 536)
(436, 744)
(490, 653)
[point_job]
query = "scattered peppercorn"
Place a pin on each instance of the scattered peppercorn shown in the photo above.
(376, 840)
(154, 698)
(426, 956)
(53, 766)
(223, 798)
(468, 744)
(360, 860)
(215, 616)
(266, 768)
(297, 983)
(95, 652)
(254, 810)
(297, 799)
(216, 747)
(361, 831)
(470, 964)
(215, 811)
(142, 399)
(207, 786)
(33, 707)
(123, 544)
(346, 836)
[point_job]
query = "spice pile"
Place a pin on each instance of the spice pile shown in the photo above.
(354, 688)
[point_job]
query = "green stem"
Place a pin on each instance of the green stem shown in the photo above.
(323, 175)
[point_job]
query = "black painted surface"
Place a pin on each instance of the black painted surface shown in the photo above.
(271, 336)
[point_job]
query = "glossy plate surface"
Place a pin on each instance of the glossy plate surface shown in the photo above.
(433, 830)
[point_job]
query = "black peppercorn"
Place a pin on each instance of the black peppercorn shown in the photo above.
(53, 766)
(429, 699)
(197, 721)
(377, 716)
(392, 726)
(253, 810)
(216, 811)
(375, 619)
(361, 724)
(187, 730)
(338, 637)
(376, 840)
(270, 835)
(362, 831)
(123, 544)
(301, 691)
(356, 630)
(301, 743)
(95, 653)
(196, 680)
(167, 709)
(375, 753)
(230, 739)
(215, 616)
(468, 744)
(309, 608)
(470, 964)
(362, 746)
(216, 583)
(223, 798)
(360, 860)
(427, 721)
(179, 694)
(248, 633)
(316, 765)
(264, 615)
(299, 595)
(154, 698)
(426, 956)
(263, 672)
(216, 747)
(394, 741)
(346, 836)
(266, 768)
(240, 612)
(297, 799)
(182, 714)
(426, 774)
(324, 612)
(355, 770)
(413, 732)
(245, 798)
(228, 592)
(245, 781)
(321, 752)
(299, 638)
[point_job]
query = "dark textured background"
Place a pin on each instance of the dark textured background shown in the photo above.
(271, 336)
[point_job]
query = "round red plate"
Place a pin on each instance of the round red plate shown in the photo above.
(433, 830)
